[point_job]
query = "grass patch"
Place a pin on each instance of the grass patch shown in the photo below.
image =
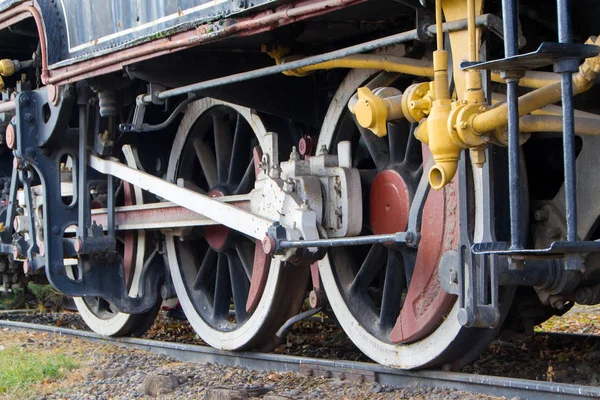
(21, 370)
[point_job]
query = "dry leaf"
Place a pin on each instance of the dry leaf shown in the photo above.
(274, 377)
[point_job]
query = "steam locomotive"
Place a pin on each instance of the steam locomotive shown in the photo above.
(421, 171)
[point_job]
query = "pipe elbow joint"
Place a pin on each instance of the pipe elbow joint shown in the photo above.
(442, 173)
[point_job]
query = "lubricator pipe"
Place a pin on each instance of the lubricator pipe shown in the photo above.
(582, 81)
(553, 123)
(410, 66)
(486, 20)
(403, 65)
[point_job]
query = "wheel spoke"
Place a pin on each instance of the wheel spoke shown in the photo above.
(392, 290)
(247, 181)
(207, 265)
(409, 259)
(240, 286)
(222, 294)
(207, 161)
(223, 145)
(413, 156)
(377, 147)
(240, 151)
(245, 252)
(369, 268)
(398, 136)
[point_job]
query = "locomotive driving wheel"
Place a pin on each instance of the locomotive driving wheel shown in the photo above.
(389, 299)
(98, 313)
(232, 294)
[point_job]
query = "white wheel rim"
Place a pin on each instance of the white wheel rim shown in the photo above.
(116, 323)
(239, 337)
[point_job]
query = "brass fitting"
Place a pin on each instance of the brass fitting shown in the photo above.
(7, 67)
(373, 109)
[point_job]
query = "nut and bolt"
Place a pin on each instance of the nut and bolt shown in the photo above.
(453, 277)
(268, 244)
(78, 246)
(289, 185)
(29, 117)
(294, 155)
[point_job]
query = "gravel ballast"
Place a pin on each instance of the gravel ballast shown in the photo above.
(111, 372)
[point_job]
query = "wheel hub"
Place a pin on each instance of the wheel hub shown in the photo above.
(216, 235)
(389, 203)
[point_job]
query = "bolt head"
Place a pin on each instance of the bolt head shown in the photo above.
(10, 136)
(78, 245)
(27, 267)
(269, 244)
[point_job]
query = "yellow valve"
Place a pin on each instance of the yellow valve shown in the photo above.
(373, 109)
(416, 101)
(371, 112)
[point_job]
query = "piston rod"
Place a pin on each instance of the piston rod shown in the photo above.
(399, 237)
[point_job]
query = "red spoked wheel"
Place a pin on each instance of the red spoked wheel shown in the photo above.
(389, 298)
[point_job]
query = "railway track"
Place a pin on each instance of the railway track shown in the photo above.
(354, 371)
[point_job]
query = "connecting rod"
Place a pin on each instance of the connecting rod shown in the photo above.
(218, 211)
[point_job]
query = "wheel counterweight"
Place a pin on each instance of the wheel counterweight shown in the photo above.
(388, 298)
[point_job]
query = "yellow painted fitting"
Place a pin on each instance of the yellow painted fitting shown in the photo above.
(371, 112)
(7, 67)
(440, 78)
(275, 51)
(478, 156)
(403, 65)
(1, 83)
(417, 101)
(373, 109)
(446, 153)
(460, 125)
(442, 173)
(474, 93)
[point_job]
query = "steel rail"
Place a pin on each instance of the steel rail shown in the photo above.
(491, 385)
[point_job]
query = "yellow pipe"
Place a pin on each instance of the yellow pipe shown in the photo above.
(498, 116)
(471, 30)
(532, 79)
(553, 123)
(438, 25)
(411, 66)
(548, 110)
(403, 65)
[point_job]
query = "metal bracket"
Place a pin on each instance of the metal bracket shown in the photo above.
(477, 276)
(95, 276)
(547, 54)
